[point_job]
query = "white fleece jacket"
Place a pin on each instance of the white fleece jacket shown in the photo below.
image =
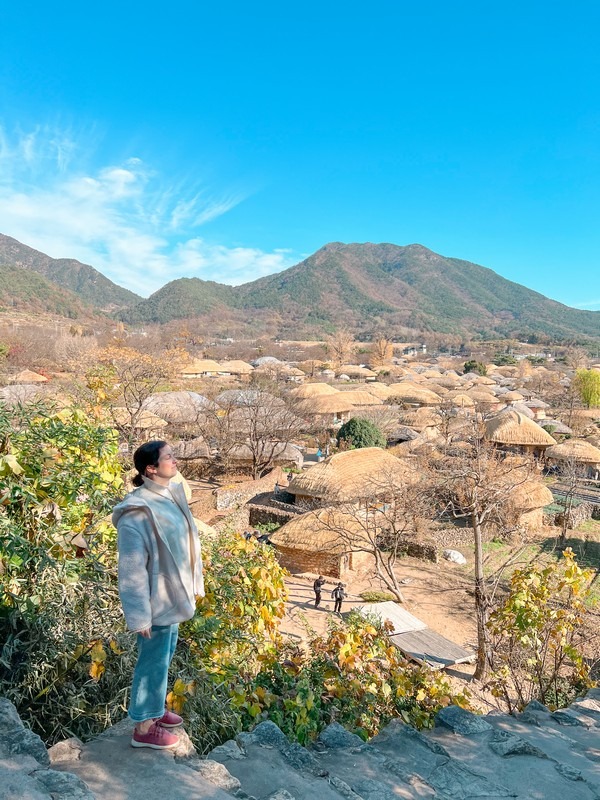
(160, 562)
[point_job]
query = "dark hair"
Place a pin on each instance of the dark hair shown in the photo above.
(146, 456)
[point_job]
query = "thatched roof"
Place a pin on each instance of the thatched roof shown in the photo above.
(327, 530)
(409, 392)
(513, 397)
(351, 475)
(481, 397)
(236, 367)
(522, 409)
(536, 403)
(462, 400)
(355, 371)
(557, 427)
(200, 366)
(28, 376)
(483, 380)
(279, 452)
(413, 447)
(380, 390)
(512, 428)
(435, 387)
(240, 397)
(144, 421)
(179, 407)
(530, 495)
(420, 418)
(313, 390)
(327, 404)
(191, 449)
(360, 397)
(574, 450)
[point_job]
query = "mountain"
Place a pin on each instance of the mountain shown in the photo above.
(370, 287)
(24, 291)
(180, 299)
(81, 279)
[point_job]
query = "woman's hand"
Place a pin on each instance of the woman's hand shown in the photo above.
(146, 633)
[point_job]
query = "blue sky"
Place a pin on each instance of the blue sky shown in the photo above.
(231, 140)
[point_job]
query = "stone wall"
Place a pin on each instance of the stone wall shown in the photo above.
(576, 515)
(231, 496)
(318, 563)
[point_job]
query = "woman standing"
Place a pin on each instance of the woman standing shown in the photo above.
(160, 576)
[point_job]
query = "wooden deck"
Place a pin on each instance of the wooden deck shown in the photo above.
(414, 639)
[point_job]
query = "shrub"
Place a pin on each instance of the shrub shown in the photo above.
(358, 432)
(377, 597)
(352, 675)
(475, 366)
(66, 660)
(538, 636)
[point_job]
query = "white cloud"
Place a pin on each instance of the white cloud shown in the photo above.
(589, 305)
(120, 218)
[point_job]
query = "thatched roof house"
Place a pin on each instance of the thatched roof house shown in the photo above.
(513, 430)
(238, 369)
(201, 368)
(326, 542)
(145, 421)
(179, 407)
(576, 450)
(356, 372)
(350, 477)
(28, 376)
(313, 390)
(335, 406)
(279, 454)
(462, 400)
(410, 393)
(380, 390)
(529, 500)
(191, 450)
(360, 397)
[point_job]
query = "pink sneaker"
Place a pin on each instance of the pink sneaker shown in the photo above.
(170, 720)
(157, 737)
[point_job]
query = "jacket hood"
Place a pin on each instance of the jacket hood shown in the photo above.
(130, 502)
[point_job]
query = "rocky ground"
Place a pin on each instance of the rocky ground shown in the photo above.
(535, 755)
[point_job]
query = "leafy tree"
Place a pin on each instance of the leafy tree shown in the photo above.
(475, 366)
(587, 384)
(504, 360)
(60, 619)
(538, 635)
(359, 432)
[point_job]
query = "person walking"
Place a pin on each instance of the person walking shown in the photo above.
(317, 587)
(160, 577)
(338, 595)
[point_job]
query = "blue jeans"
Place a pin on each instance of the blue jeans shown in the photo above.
(149, 686)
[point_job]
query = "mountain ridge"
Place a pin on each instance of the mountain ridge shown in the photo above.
(83, 280)
(366, 287)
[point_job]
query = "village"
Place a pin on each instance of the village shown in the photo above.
(356, 471)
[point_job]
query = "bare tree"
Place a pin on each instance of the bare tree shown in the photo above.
(476, 483)
(340, 346)
(255, 423)
(391, 511)
(382, 351)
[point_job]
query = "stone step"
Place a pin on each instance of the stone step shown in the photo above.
(113, 770)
